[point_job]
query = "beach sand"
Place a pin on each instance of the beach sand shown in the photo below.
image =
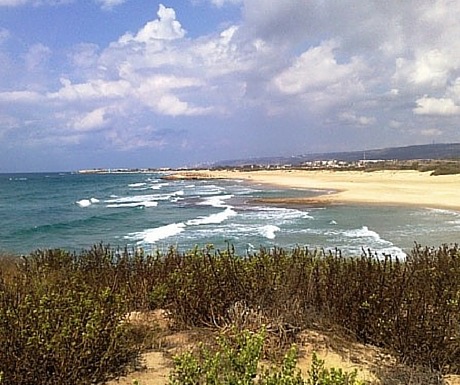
(401, 187)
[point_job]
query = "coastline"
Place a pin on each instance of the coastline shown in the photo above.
(388, 187)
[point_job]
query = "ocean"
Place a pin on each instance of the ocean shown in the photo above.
(140, 210)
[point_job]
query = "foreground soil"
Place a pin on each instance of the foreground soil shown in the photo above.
(374, 365)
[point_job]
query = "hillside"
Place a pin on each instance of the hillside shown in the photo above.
(427, 151)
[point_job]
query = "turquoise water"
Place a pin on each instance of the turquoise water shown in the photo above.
(75, 211)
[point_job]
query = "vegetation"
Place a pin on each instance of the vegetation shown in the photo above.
(55, 328)
(63, 315)
(236, 361)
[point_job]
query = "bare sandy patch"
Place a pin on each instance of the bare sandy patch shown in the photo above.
(401, 187)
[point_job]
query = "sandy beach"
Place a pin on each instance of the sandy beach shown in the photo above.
(380, 187)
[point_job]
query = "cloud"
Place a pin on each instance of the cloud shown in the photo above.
(12, 3)
(166, 27)
(352, 119)
(4, 35)
(89, 92)
(317, 68)
(221, 3)
(286, 71)
(430, 132)
(105, 4)
(17, 3)
(436, 106)
(109, 4)
(318, 80)
(36, 56)
(90, 121)
(20, 97)
(157, 92)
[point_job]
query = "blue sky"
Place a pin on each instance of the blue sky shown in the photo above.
(134, 83)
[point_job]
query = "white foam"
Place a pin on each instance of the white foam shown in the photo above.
(363, 232)
(283, 214)
(269, 231)
(209, 190)
(149, 200)
(445, 212)
(20, 179)
(213, 218)
(158, 233)
(216, 201)
(137, 184)
(158, 186)
(134, 204)
(86, 202)
(83, 203)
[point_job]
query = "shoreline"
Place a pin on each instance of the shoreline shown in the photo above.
(387, 187)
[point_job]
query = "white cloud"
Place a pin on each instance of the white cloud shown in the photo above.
(166, 27)
(90, 121)
(454, 90)
(20, 97)
(432, 68)
(349, 117)
(36, 56)
(17, 3)
(105, 4)
(109, 4)
(314, 63)
(157, 93)
(12, 3)
(93, 90)
(4, 35)
(394, 124)
(435, 106)
(317, 80)
(431, 132)
(84, 56)
(315, 69)
(221, 3)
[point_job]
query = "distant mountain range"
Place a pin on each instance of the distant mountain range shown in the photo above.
(426, 151)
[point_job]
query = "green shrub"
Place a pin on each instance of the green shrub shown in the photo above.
(410, 307)
(319, 375)
(237, 362)
(59, 332)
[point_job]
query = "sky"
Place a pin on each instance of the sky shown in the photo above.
(137, 83)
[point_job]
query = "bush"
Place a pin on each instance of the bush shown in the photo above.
(237, 362)
(58, 330)
(410, 307)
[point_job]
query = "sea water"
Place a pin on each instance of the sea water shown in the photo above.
(140, 210)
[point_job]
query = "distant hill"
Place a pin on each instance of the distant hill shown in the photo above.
(426, 151)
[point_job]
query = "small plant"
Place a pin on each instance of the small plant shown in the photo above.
(234, 362)
(319, 375)
(287, 375)
(237, 362)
